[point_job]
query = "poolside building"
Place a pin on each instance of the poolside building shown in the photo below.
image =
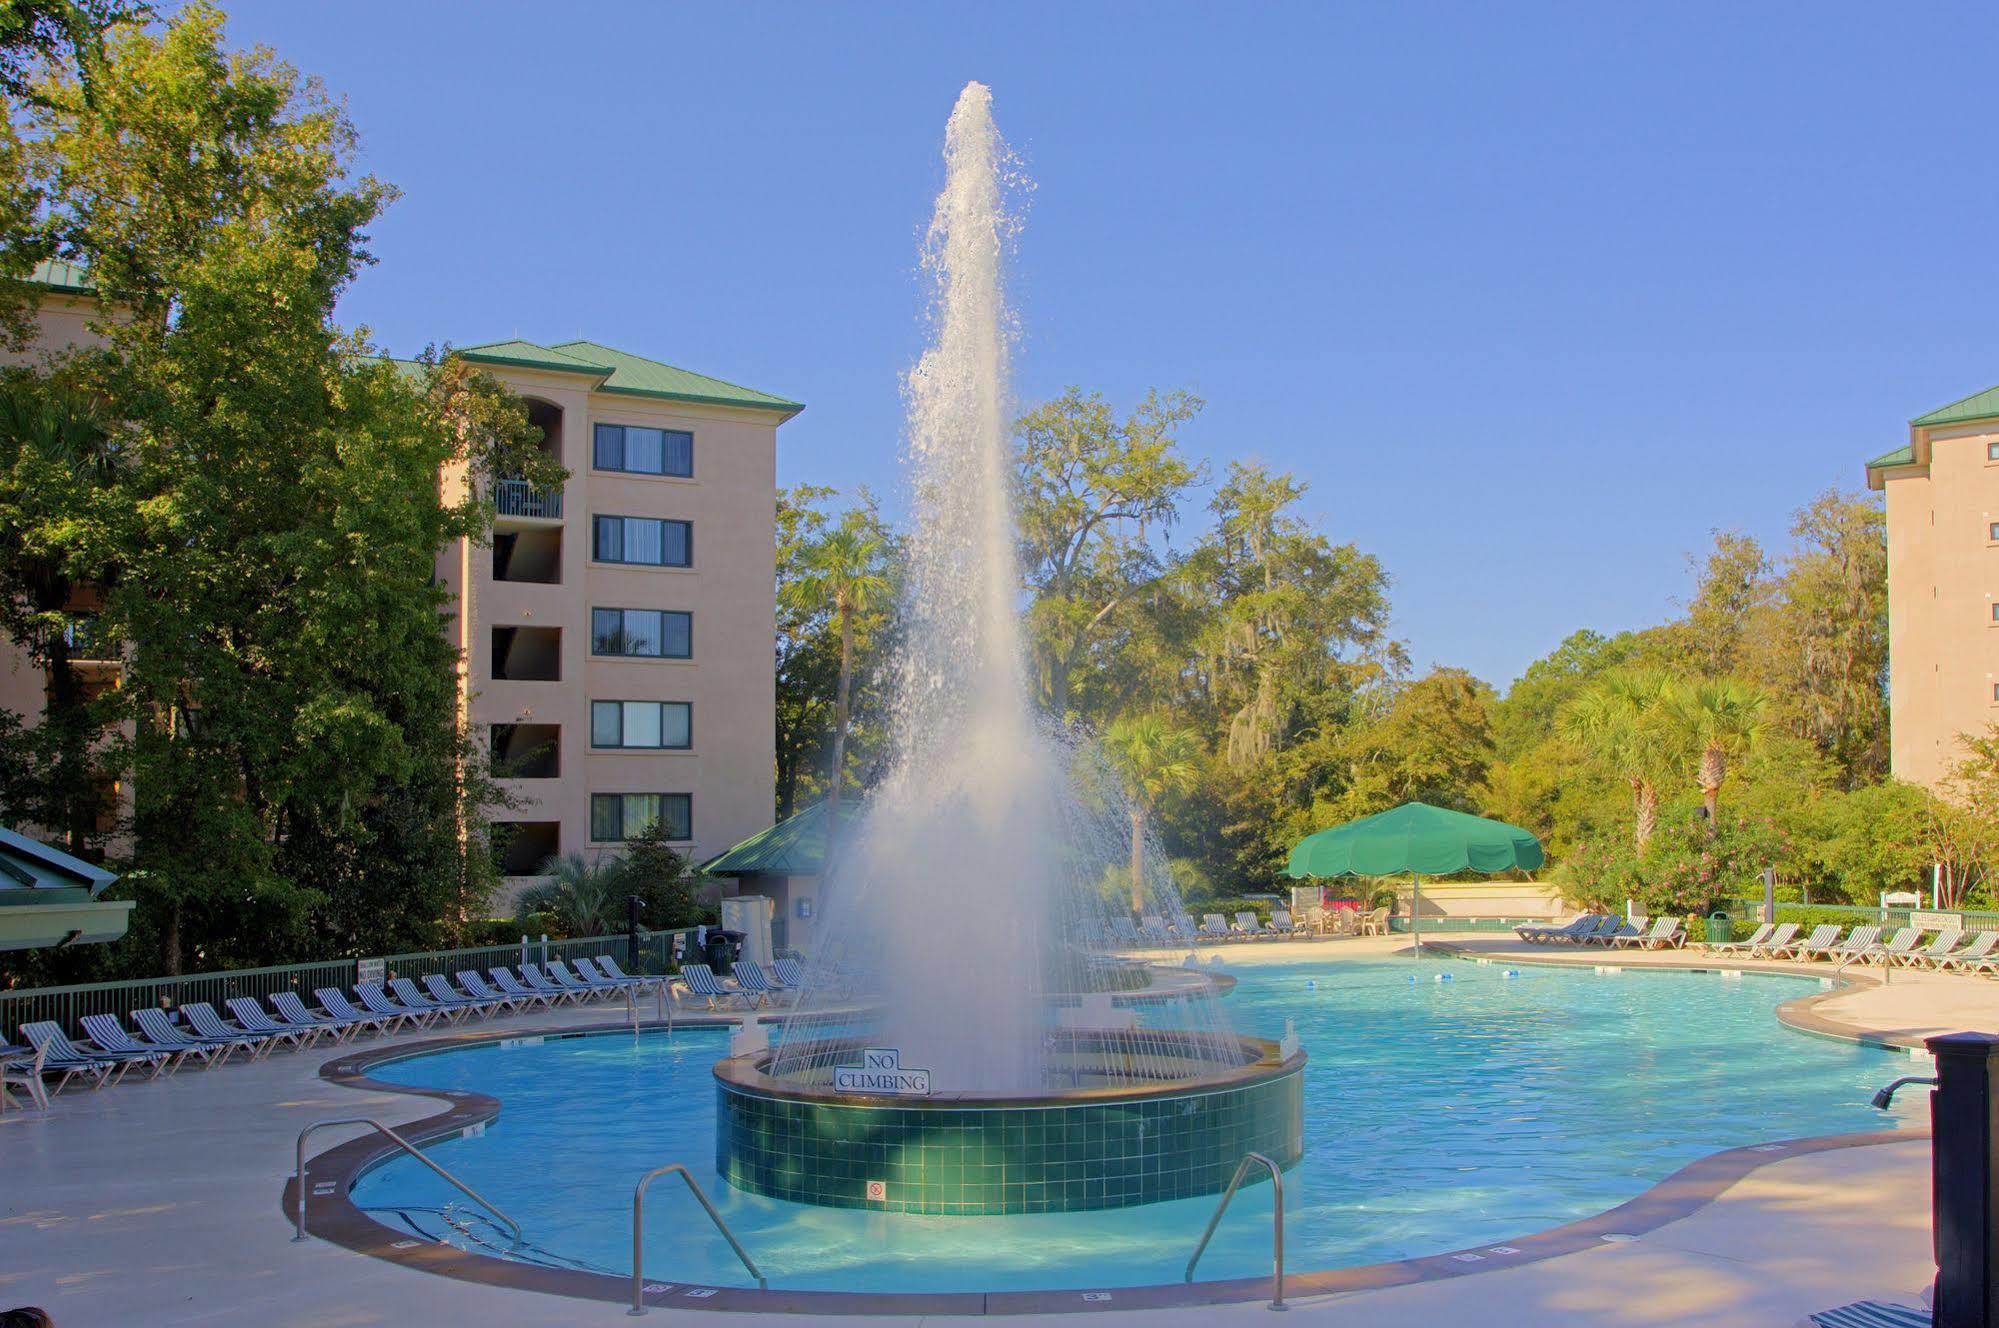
(615, 634)
(1942, 493)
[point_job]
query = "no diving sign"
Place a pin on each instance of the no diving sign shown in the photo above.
(881, 1071)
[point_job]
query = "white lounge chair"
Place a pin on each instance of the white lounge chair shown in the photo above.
(1937, 950)
(1895, 949)
(1853, 947)
(1821, 940)
(1284, 924)
(25, 1073)
(1663, 933)
(1747, 945)
(1250, 927)
(1775, 942)
(1977, 952)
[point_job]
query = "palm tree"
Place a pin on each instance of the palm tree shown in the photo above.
(1155, 762)
(582, 895)
(1715, 721)
(842, 574)
(1620, 720)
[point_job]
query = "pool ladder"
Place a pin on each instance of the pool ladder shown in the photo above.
(407, 1147)
(639, 1230)
(1276, 1224)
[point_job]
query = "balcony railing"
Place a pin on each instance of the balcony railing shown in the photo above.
(89, 642)
(519, 498)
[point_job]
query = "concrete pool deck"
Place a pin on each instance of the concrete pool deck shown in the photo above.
(156, 1203)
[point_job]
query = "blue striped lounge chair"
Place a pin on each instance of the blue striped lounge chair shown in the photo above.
(475, 985)
(536, 980)
(377, 1001)
(1214, 929)
(1895, 949)
(611, 970)
(107, 1034)
(291, 1010)
(62, 1057)
(407, 996)
(750, 976)
(444, 993)
(1250, 927)
(334, 1001)
(251, 1015)
(700, 980)
(503, 978)
(563, 975)
(201, 1017)
(161, 1031)
(1871, 1314)
(790, 972)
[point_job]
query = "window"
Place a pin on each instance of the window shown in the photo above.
(644, 540)
(1994, 606)
(1995, 691)
(1992, 451)
(615, 817)
(644, 451)
(641, 724)
(1992, 531)
(647, 633)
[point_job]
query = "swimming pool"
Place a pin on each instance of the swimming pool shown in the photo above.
(1462, 1107)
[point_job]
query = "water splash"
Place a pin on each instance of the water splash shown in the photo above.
(980, 889)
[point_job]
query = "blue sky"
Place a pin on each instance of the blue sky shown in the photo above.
(1533, 296)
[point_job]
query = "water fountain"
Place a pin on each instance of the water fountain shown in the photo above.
(997, 1054)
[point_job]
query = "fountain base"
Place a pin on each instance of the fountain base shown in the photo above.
(1150, 1118)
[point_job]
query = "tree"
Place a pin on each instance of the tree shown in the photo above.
(1621, 721)
(1731, 601)
(1155, 762)
(1714, 722)
(844, 571)
(301, 778)
(1432, 742)
(581, 897)
(1089, 493)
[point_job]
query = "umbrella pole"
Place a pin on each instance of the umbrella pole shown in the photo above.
(1416, 912)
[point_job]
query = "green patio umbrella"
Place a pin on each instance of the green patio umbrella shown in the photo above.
(1419, 839)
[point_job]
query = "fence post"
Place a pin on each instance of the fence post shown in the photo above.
(1964, 1127)
(632, 903)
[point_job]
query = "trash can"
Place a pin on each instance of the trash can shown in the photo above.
(1719, 927)
(721, 949)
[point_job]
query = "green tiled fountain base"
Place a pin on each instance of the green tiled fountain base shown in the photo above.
(1005, 1159)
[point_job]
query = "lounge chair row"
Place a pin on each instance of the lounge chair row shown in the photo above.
(1953, 950)
(162, 1045)
(749, 986)
(1608, 930)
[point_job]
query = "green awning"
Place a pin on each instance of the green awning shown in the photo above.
(1418, 838)
(48, 897)
(795, 846)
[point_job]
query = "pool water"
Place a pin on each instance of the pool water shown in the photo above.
(1438, 1114)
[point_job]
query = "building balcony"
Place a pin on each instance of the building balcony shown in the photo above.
(517, 503)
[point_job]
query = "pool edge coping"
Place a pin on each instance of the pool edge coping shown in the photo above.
(336, 1218)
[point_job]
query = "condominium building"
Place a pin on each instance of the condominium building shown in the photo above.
(1942, 493)
(615, 634)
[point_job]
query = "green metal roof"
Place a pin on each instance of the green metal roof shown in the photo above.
(1977, 406)
(527, 355)
(29, 864)
(59, 275)
(1902, 456)
(792, 847)
(638, 376)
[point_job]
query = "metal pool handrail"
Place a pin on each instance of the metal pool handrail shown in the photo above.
(639, 1227)
(407, 1147)
(1276, 1225)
